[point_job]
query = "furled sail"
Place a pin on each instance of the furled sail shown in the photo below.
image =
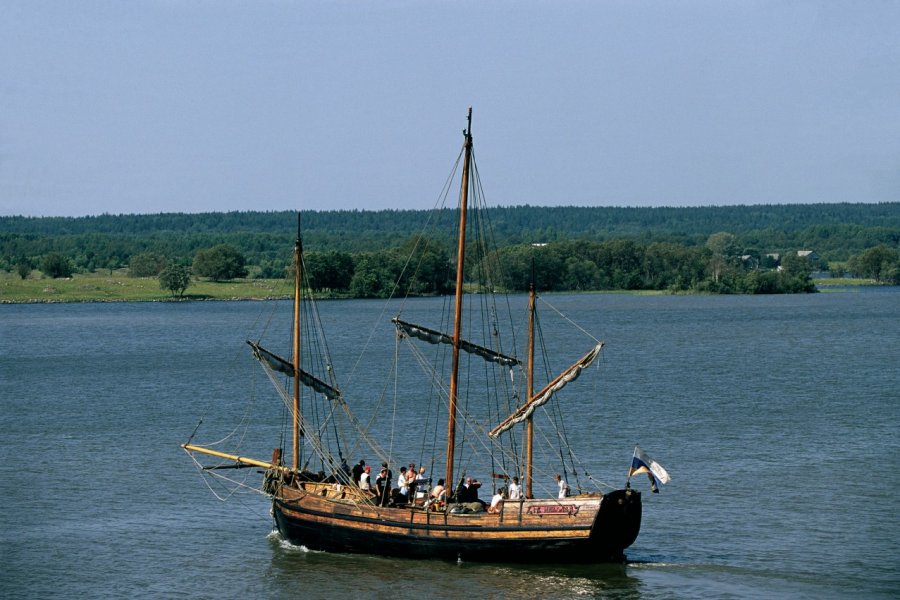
(277, 363)
(436, 337)
(567, 376)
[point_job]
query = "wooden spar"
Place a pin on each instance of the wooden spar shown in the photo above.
(234, 457)
(529, 430)
(298, 259)
(457, 319)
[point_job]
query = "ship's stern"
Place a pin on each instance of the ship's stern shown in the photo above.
(617, 524)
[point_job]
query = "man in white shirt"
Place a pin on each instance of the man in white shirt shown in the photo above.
(563, 487)
(404, 486)
(515, 492)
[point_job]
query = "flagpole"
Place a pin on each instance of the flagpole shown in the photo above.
(633, 456)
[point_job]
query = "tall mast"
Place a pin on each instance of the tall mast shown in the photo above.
(298, 262)
(457, 319)
(529, 430)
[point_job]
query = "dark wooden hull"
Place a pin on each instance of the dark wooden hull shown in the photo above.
(547, 531)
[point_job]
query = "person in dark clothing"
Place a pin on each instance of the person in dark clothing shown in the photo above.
(411, 480)
(380, 487)
(468, 491)
(384, 492)
(389, 475)
(345, 468)
(358, 471)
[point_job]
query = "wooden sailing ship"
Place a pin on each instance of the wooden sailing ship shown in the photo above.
(326, 509)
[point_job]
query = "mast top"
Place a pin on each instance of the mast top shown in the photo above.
(468, 131)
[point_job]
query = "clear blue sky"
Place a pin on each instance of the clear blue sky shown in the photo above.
(145, 106)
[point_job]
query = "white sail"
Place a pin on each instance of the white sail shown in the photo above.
(567, 376)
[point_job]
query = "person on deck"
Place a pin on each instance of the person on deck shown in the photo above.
(385, 492)
(403, 488)
(563, 487)
(515, 492)
(358, 471)
(497, 501)
(411, 480)
(381, 487)
(364, 480)
(439, 492)
(421, 483)
(468, 491)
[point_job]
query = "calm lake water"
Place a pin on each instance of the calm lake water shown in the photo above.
(776, 416)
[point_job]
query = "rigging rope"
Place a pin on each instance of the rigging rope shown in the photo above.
(434, 214)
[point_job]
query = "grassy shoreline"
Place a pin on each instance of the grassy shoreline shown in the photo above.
(843, 281)
(118, 287)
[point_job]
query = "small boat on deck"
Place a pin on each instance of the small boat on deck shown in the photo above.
(326, 509)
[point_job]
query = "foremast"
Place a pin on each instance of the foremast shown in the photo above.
(275, 364)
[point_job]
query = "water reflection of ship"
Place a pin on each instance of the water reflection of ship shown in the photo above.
(293, 566)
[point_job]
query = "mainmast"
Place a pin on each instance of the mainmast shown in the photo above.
(298, 261)
(457, 319)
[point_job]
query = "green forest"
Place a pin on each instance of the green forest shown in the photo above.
(735, 249)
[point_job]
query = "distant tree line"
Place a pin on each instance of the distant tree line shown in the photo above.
(513, 224)
(835, 231)
(569, 248)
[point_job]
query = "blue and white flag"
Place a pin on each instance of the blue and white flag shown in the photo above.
(641, 463)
